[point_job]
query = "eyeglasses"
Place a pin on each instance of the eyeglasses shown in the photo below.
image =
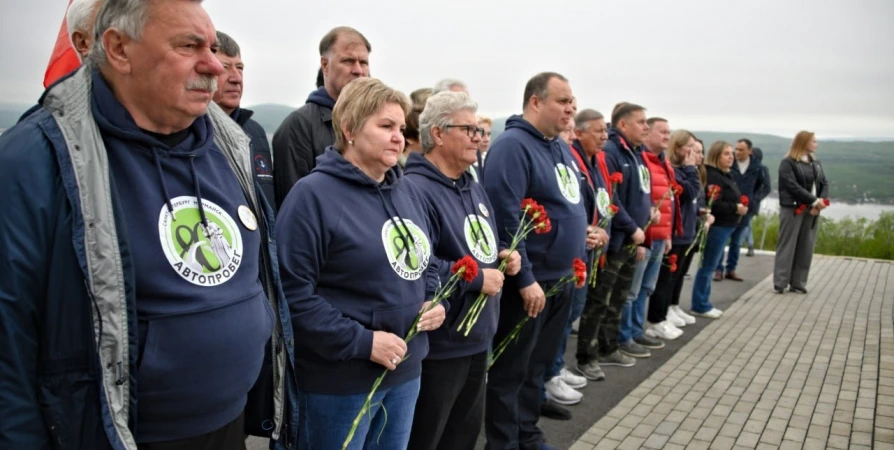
(471, 130)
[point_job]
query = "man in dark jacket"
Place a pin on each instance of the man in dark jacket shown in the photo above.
(138, 287)
(748, 237)
(307, 131)
(749, 176)
(228, 97)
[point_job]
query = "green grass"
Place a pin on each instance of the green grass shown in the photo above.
(846, 237)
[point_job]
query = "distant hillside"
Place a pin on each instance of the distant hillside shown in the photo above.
(859, 171)
(270, 115)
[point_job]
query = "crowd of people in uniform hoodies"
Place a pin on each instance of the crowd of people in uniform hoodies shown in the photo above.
(228, 323)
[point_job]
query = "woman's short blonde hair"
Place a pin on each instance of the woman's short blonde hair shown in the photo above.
(678, 140)
(485, 119)
(713, 158)
(800, 145)
(358, 101)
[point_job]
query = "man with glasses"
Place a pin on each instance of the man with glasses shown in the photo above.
(528, 160)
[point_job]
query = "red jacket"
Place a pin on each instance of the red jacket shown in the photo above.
(662, 178)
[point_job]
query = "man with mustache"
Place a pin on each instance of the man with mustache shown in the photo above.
(137, 289)
(228, 97)
(307, 131)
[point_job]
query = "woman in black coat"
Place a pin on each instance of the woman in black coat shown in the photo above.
(727, 210)
(803, 193)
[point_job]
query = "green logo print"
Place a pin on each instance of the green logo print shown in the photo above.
(203, 256)
(406, 247)
(568, 183)
(645, 179)
(480, 238)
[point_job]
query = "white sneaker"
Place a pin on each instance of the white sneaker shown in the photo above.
(714, 313)
(682, 314)
(674, 319)
(561, 393)
(571, 380)
(674, 328)
(661, 331)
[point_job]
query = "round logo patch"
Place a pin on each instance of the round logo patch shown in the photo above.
(204, 257)
(408, 263)
(645, 180)
(603, 200)
(568, 183)
(483, 210)
(480, 238)
(247, 217)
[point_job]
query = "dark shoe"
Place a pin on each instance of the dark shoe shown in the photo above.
(750, 251)
(649, 342)
(617, 359)
(733, 276)
(799, 290)
(552, 410)
(718, 275)
(591, 371)
(779, 290)
(634, 350)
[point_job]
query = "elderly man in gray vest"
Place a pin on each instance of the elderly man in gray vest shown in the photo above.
(137, 288)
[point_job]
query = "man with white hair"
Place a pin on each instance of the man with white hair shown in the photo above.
(79, 19)
(450, 84)
(137, 255)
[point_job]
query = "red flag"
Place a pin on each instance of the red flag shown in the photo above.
(64, 58)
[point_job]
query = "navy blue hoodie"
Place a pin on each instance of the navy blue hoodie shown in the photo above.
(633, 196)
(347, 270)
(463, 223)
(203, 317)
(687, 176)
(321, 97)
(523, 163)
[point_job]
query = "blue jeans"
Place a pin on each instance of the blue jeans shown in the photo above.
(735, 244)
(577, 308)
(324, 420)
(701, 288)
(633, 315)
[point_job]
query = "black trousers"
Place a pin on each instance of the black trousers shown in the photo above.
(515, 382)
(230, 437)
(682, 271)
(669, 285)
(601, 319)
(450, 408)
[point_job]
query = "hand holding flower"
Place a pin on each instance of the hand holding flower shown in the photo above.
(431, 319)
(513, 264)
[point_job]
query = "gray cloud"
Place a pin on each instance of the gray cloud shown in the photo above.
(759, 66)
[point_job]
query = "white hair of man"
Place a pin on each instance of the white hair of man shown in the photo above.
(439, 111)
(78, 18)
(448, 83)
(127, 16)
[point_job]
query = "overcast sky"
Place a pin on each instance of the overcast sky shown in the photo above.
(755, 65)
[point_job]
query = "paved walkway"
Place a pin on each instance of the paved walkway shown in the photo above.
(777, 371)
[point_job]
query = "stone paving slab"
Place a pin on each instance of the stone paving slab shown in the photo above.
(776, 371)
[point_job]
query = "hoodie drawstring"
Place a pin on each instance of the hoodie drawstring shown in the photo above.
(407, 238)
(196, 186)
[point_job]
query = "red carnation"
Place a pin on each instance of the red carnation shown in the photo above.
(826, 202)
(678, 190)
(673, 268)
(614, 209)
(800, 209)
(543, 226)
(713, 192)
(528, 204)
(672, 259)
(744, 200)
(616, 178)
(468, 266)
(580, 272)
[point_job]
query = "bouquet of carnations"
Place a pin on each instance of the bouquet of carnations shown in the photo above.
(466, 269)
(533, 219)
(578, 277)
(702, 235)
(676, 189)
